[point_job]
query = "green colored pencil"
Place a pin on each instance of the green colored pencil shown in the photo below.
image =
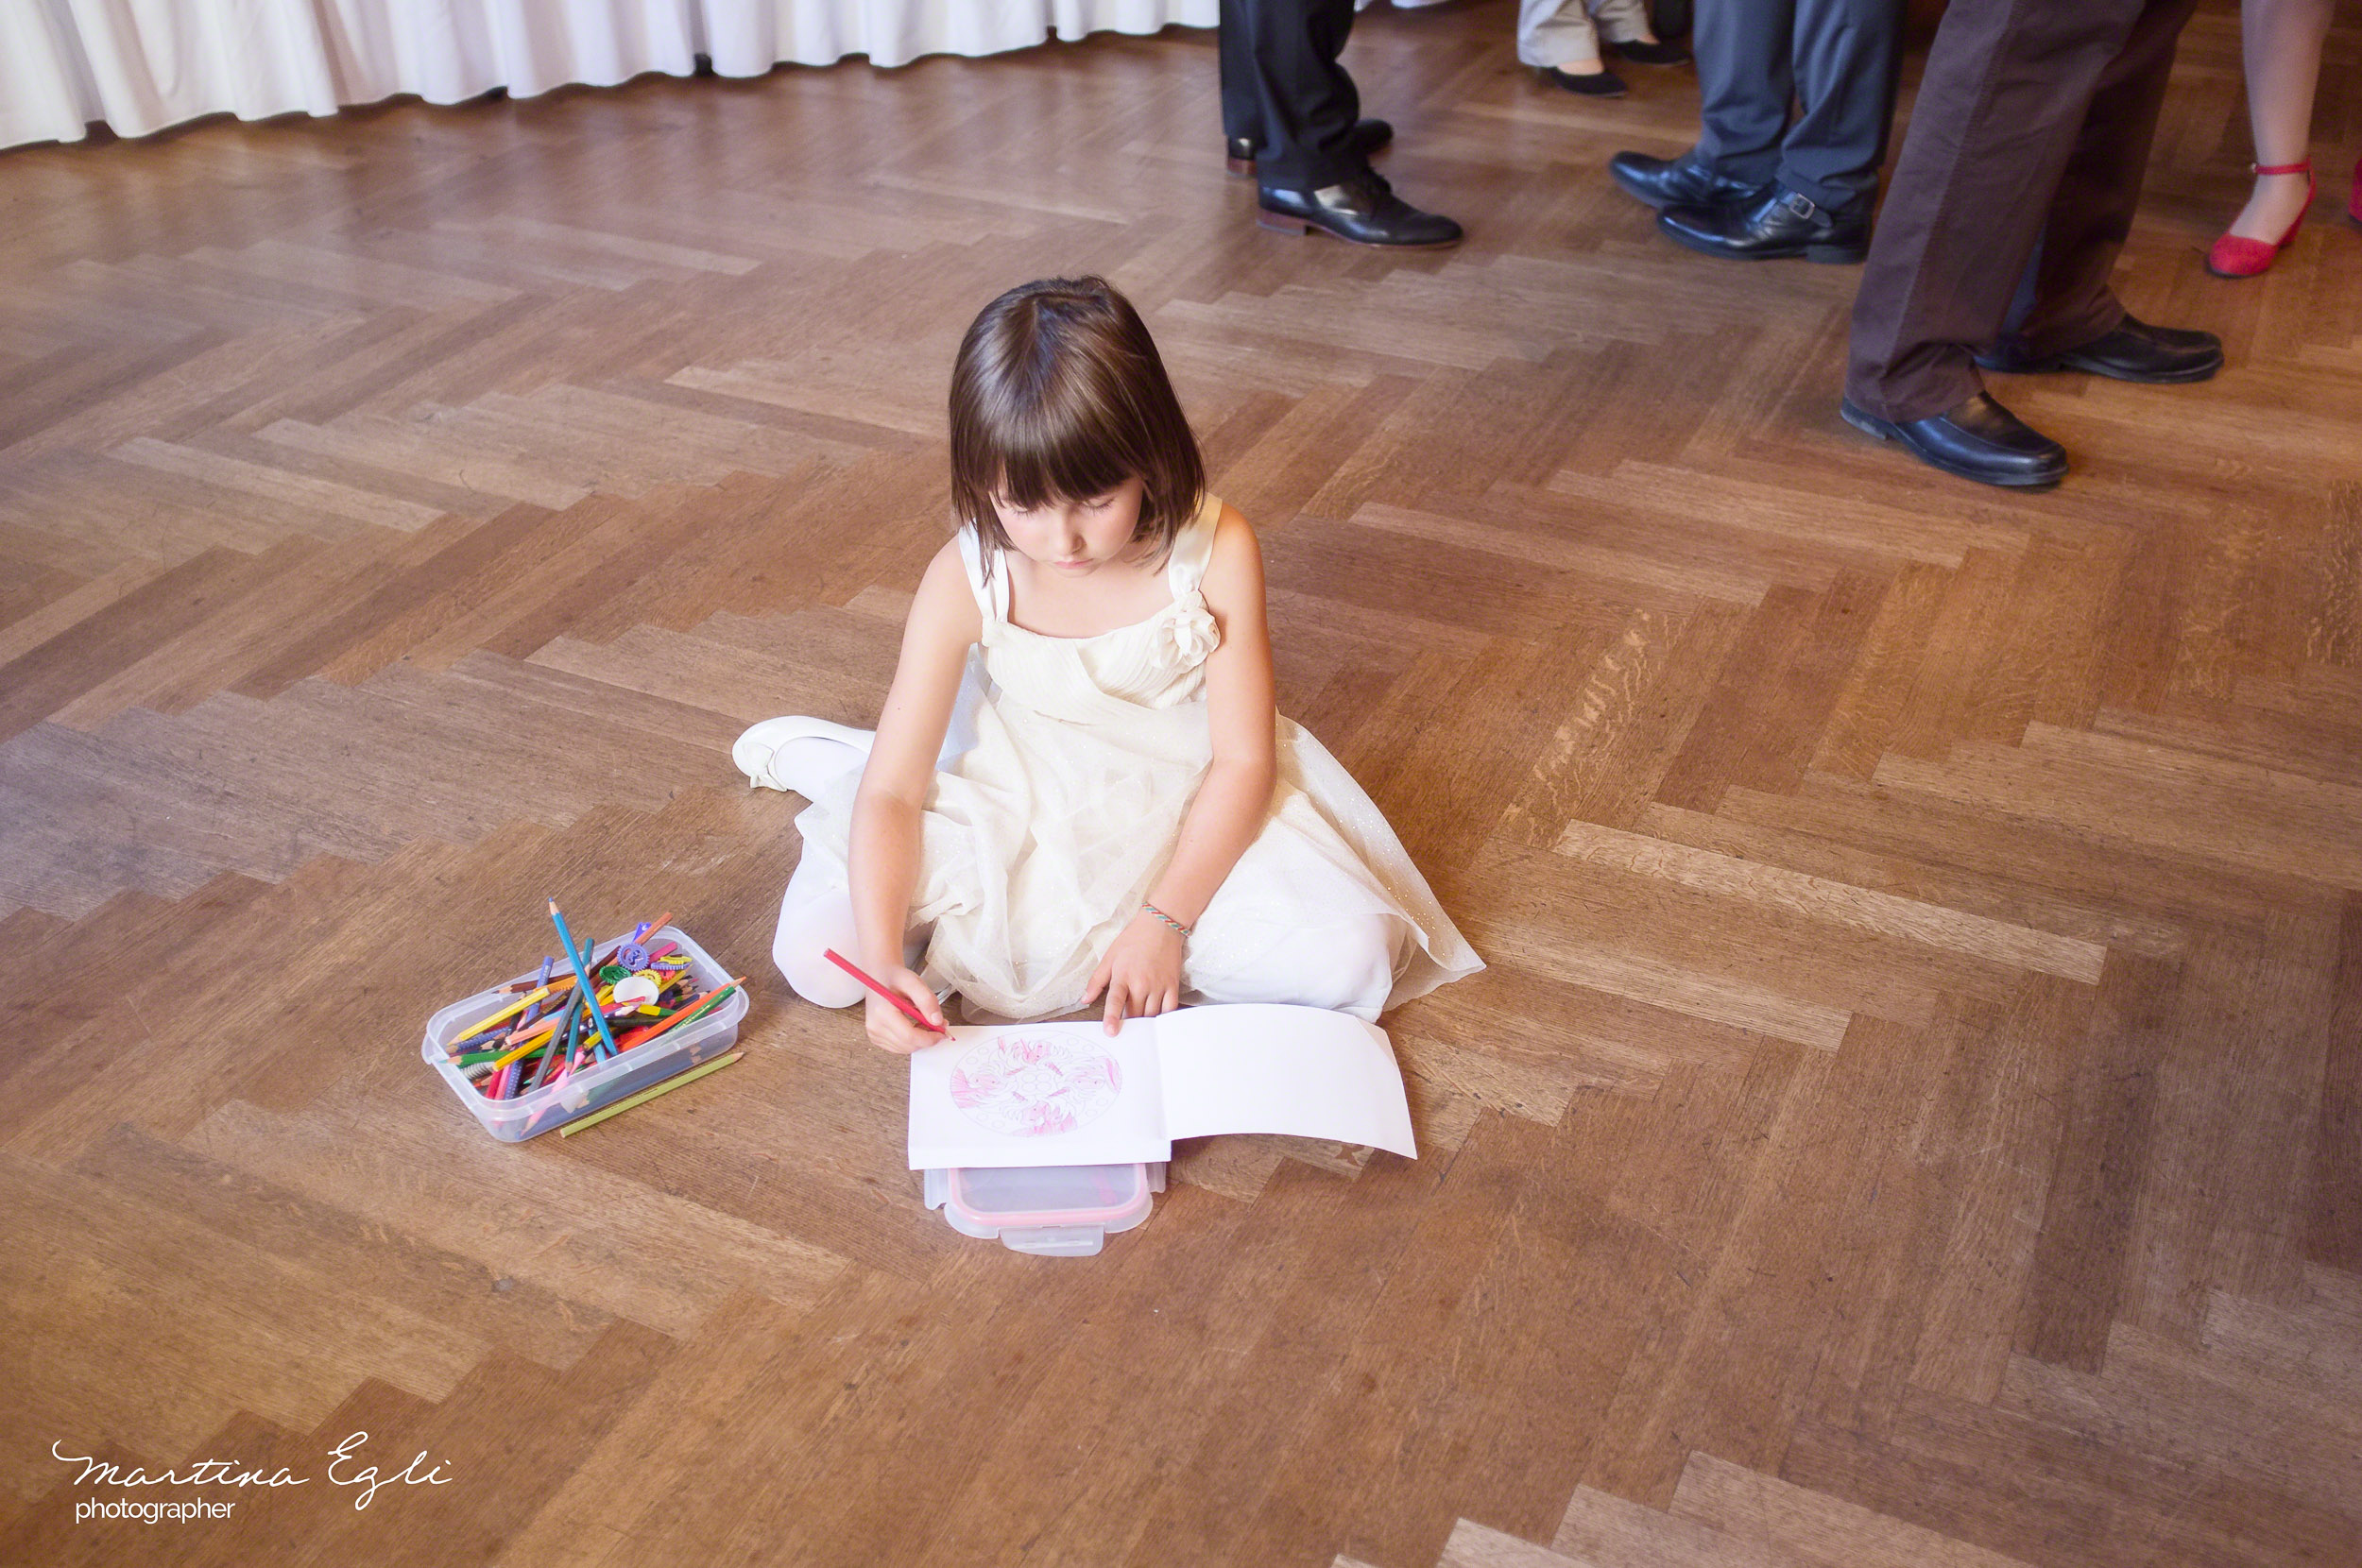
(645, 1095)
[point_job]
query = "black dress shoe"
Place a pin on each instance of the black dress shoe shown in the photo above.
(1362, 210)
(1684, 182)
(2135, 351)
(1368, 136)
(1650, 53)
(1782, 224)
(1601, 83)
(1979, 439)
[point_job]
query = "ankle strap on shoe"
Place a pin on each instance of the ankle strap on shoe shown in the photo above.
(2306, 167)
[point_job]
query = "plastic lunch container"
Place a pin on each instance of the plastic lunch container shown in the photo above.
(1054, 1211)
(556, 1104)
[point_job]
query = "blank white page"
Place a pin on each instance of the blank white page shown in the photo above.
(1261, 1067)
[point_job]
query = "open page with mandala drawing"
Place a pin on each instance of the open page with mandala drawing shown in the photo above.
(1071, 1094)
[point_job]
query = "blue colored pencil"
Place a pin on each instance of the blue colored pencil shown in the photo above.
(550, 1053)
(590, 993)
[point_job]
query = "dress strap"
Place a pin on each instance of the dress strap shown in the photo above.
(1193, 548)
(992, 598)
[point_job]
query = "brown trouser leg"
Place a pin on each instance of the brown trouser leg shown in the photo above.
(2032, 128)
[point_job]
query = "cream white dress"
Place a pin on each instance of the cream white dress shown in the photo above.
(1042, 837)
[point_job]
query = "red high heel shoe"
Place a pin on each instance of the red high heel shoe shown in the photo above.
(2236, 256)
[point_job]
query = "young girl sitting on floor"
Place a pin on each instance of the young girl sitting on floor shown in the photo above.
(1079, 786)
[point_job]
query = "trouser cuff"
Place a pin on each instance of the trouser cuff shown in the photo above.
(1850, 197)
(2046, 338)
(1922, 397)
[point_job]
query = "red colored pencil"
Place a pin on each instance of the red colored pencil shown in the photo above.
(904, 1002)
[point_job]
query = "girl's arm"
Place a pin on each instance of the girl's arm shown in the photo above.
(1142, 968)
(883, 859)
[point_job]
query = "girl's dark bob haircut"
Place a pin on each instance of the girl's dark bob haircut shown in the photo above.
(1058, 395)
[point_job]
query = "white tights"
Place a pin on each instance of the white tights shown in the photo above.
(816, 915)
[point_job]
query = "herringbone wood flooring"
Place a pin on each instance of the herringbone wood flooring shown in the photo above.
(1914, 1112)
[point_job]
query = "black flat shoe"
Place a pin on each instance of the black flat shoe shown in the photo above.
(1650, 53)
(1598, 84)
(1782, 224)
(2135, 351)
(1979, 439)
(1683, 181)
(1359, 210)
(1368, 137)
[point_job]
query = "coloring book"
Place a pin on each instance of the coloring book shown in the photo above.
(1072, 1093)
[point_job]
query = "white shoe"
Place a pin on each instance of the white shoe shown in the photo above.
(768, 759)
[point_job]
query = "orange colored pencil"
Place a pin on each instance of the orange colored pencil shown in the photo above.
(650, 1032)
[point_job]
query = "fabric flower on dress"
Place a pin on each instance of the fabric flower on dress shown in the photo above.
(1194, 634)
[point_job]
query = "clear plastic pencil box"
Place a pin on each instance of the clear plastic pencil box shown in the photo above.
(532, 1114)
(1054, 1211)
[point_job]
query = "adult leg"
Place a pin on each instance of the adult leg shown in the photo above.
(2000, 108)
(1309, 173)
(1242, 105)
(1841, 54)
(1745, 80)
(2281, 43)
(1623, 22)
(1847, 54)
(2069, 302)
(1306, 103)
(1744, 85)
(1556, 33)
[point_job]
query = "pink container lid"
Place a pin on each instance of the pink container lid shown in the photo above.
(1108, 1194)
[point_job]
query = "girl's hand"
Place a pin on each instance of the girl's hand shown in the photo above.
(888, 1028)
(1141, 972)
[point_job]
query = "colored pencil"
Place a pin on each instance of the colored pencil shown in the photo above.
(509, 1012)
(900, 1001)
(581, 974)
(573, 1022)
(686, 1010)
(645, 1095)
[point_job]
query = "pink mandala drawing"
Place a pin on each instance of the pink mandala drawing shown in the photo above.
(1032, 1086)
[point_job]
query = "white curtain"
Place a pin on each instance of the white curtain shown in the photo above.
(140, 65)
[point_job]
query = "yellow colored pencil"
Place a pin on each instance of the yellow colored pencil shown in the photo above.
(543, 994)
(645, 1095)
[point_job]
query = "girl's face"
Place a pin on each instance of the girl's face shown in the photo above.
(1076, 538)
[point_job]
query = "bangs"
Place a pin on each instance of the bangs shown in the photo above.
(1064, 448)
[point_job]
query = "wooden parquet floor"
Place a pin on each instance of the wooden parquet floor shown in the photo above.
(1913, 1115)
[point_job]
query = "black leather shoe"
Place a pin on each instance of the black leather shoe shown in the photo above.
(1782, 224)
(2135, 351)
(1601, 83)
(1368, 136)
(1650, 53)
(1361, 211)
(1979, 439)
(1683, 181)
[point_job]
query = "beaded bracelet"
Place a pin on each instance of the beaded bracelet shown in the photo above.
(1169, 920)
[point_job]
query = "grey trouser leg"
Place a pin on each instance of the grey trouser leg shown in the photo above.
(1837, 58)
